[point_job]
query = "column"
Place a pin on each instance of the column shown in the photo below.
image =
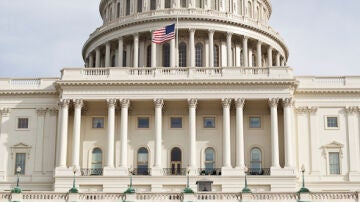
(353, 139)
(64, 132)
(78, 103)
(211, 48)
(314, 141)
(228, 44)
(153, 54)
(4, 134)
(39, 153)
(226, 133)
(97, 57)
(136, 50)
(159, 103)
(192, 47)
(288, 133)
(273, 102)
(250, 58)
(245, 51)
(240, 152)
(91, 60)
(258, 57)
(278, 59)
(270, 60)
(172, 53)
(120, 52)
(283, 62)
(238, 52)
(110, 133)
(192, 133)
(107, 55)
(125, 103)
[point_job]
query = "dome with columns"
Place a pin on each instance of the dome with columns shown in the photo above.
(210, 33)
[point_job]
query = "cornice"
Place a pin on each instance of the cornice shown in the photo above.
(328, 91)
(27, 92)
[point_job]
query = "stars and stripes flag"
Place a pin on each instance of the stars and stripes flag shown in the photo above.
(164, 34)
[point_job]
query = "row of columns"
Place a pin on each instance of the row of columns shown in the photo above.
(247, 54)
(226, 103)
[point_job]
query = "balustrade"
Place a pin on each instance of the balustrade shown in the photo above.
(259, 171)
(91, 171)
(174, 171)
(210, 171)
(141, 171)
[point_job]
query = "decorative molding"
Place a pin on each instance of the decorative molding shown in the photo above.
(78, 103)
(287, 102)
(111, 102)
(273, 102)
(125, 103)
(192, 102)
(352, 109)
(41, 111)
(53, 111)
(159, 102)
(20, 148)
(239, 102)
(5, 112)
(226, 102)
(64, 103)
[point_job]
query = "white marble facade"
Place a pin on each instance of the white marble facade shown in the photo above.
(215, 100)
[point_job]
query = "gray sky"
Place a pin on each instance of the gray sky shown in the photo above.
(40, 37)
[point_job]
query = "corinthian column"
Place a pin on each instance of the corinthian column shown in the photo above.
(226, 133)
(288, 133)
(136, 50)
(64, 104)
(240, 153)
(192, 133)
(211, 48)
(76, 132)
(111, 130)
(159, 103)
(228, 44)
(274, 132)
(245, 51)
(192, 47)
(125, 103)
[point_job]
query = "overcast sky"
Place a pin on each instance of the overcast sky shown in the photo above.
(40, 37)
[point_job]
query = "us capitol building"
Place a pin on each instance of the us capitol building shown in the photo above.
(216, 106)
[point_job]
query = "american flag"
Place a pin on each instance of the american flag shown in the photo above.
(164, 34)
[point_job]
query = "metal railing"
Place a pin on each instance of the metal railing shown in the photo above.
(91, 171)
(258, 171)
(210, 171)
(141, 171)
(174, 171)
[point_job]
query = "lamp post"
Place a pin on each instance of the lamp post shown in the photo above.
(303, 189)
(187, 189)
(130, 189)
(246, 188)
(17, 189)
(74, 189)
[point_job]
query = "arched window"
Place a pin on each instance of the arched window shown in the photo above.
(148, 56)
(199, 4)
(128, 7)
(209, 159)
(139, 6)
(142, 161)
(166, 55)
(113, 61)
(152, 4)
(176, 161)
(215, 4)
(216, 56)
(96, 162)
(253, 58)
(199, 55)
(118, 10)
(249, 9)
(167, 3)
(183, 3)
(255, 161)
(182, 54)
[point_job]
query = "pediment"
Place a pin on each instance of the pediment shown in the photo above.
(334, 144)
(21, 145)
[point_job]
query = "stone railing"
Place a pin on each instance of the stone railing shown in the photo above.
(217, 196)
(91, 171)
(169, 73)
(30, 84)
(101, 196)
(44, 196)
(334, 196)
(259, 171)
(159, 196)
(336, 82)
(174, 171)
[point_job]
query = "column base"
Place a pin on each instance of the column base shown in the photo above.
(63, 172)
(108, 171)
(157, 171)
(354, 176)
(228, 171)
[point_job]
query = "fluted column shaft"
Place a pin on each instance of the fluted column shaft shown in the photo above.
(97, 58)
(64, 132)
(192, 47)
(228, 44)
(172, 53)
(192, 132)
(274, 132)
(136, 50)
(120, 52)
(226, 133)
(245, 52)
(278, 59)
(125, 103)
(211, 48)
(111, 133)
(240, 152)
(270, 60)
(159, 103)
(107, 55)
(76, 132)
(288, 133)
(258, 63)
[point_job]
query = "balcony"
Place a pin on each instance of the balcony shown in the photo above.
(210, 171)
(259, 171)
(141, 171)
(91, 171)
(175, 74)
(174, 171)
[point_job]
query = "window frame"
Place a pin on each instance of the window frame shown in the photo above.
(199, 55)
(176, 117)
(327, 127)
(209, 117)
(18, 122)
(182, 54)
(23, 169)
(99, 118)
(337, 165)
(253, 117)
(333, 147)
(213, 162)
(137, 122)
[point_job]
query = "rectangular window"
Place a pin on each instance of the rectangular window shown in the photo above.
(176, 122)
(127, 7)
(332, 122)
(209, 122)
(20, 162)
(152, 5)
(254, 122)
(98, 122)
(143, 122)
(23, 123)
(118, 10)
(334, 163)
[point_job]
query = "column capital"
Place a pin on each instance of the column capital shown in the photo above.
(226, 102)
(125, 103)
(5, 112)
(312, 110)
(53, 111)
(41, 111)
(192, 102)
(273, 102)
(159, 102)
(270, 48)
(245, 38)
(287, 102)
(121, 38)
(229, 34)
(78, 103)
(259, 43)
(192, 30)
(211, 31)
(111, 102)
(136, 34)
(240, 102)
(351, 109)
(64, 102)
